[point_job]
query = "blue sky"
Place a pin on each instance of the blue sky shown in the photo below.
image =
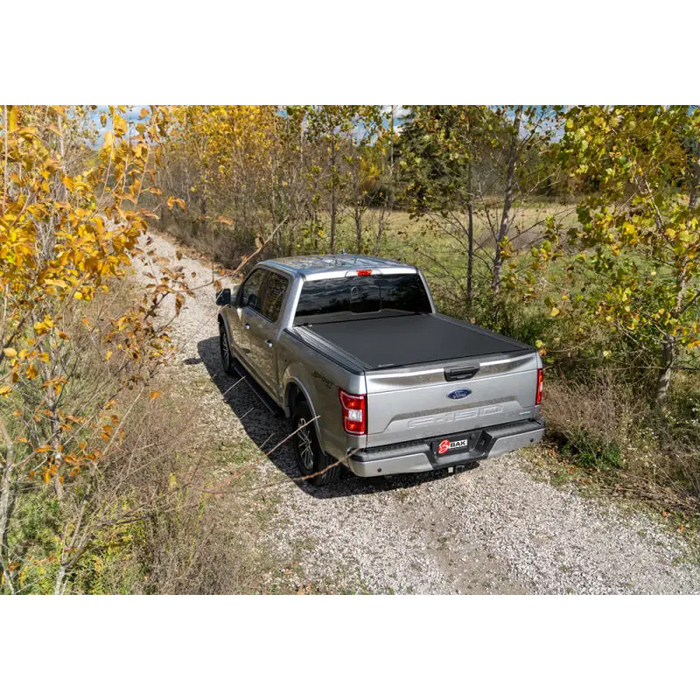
(131, 115)
(133, 112)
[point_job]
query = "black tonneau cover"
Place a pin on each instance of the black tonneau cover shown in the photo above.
(411, 340)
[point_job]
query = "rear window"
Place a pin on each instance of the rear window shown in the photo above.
(274, 293)
(363, 295)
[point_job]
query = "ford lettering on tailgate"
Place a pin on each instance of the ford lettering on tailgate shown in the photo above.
(452, 417)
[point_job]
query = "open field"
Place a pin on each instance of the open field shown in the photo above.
(440, 245)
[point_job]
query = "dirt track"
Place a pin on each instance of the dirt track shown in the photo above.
(492, 529)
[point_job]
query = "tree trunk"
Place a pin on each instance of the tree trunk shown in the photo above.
(388, 201)
(470, 236)
(333, 205)
(505, 217)
(203, 209)
(6, 171)
(5, 489)
(668, 354)
(695, 184)
(315, 233)
(60, 576)
(380, 231)
(333, 219)
(358, 213)
(54, 422)
(664, 379)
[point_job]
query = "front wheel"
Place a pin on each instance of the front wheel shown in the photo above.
(312, 460)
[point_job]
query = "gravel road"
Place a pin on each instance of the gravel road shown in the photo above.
(492, 529)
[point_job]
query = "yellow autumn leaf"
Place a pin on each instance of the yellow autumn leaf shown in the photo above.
(10, 352)
(155, 395)
(555, 311)
(172, 201)
(57, 283)
(4, 390)
(12, 118)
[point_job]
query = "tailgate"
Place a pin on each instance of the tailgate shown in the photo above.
(438, 399)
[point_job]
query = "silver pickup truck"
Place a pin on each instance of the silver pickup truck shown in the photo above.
(371, 376)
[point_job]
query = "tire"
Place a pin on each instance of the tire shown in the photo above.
(310, 457)
(225, 349)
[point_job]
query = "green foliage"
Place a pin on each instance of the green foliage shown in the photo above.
(437, 148)
(633, 260)
(591, 452)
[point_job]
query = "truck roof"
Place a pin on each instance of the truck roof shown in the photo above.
(337, 265)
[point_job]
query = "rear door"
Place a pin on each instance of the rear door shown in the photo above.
(440, 399)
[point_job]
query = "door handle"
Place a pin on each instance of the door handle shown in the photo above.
(268, 343)
(247, 326)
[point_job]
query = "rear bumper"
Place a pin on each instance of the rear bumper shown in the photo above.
(417, 456)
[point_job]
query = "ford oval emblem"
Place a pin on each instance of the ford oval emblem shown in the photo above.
(459, 394)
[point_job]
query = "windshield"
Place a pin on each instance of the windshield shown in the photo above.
(375, 294)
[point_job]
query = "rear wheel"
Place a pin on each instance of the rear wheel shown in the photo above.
(310, 457)
(225, 348)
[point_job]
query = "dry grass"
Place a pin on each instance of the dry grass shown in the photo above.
(168, 535)
(217, 242)
(140, 520)
(610, 438)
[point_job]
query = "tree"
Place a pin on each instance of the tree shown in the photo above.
(70, 223)
(465, 169)
(438, 148)
(343, 131)
(366, 125)
(638, 231)
(222, 161)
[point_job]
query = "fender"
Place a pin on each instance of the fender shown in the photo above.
(290, 379)
(222, 319)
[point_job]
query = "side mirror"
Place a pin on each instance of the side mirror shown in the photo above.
(223, 298)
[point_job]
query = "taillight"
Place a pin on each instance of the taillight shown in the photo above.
(354, 412)
(364, 273)
(538, 395)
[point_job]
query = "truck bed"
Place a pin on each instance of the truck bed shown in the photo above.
(379, 343)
